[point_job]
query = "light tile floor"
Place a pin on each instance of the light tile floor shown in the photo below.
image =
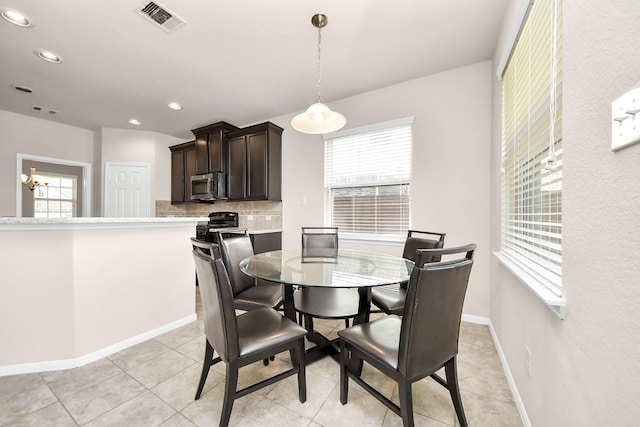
(153, 384)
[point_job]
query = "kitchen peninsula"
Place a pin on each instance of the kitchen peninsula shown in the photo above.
(78, 289)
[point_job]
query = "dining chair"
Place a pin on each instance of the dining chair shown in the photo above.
(201, 246)
(416, 345)
(323, 303)
(248, 293)
(390, 299)
(245, 339)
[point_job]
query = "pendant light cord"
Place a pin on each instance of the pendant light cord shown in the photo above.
(319, 66)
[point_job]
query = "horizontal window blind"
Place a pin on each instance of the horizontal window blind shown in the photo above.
(367, 179)
(532, 148)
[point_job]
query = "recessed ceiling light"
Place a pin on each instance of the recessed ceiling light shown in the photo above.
(49, 56)
(22, 88)
(135, 122)
(15, 17)
(174, 106)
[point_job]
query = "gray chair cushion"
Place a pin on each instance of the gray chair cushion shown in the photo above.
(380, 339)
(264, 328)
(263, 294)
(390, 299)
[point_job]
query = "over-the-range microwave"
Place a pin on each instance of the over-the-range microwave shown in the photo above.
(208, 187)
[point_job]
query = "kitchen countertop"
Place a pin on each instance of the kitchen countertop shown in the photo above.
(14, 223)
(266, 231)
(247, 229)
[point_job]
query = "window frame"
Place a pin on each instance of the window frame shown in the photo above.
(328, 206)
(74, 197)
(535, 266)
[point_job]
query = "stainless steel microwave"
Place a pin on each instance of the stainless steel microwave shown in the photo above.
(208, 187)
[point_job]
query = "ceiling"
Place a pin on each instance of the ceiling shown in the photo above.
(241, 61)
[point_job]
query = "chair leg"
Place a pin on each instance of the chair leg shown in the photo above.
(346, 323)
(451, 371)
(302, 373)
(206, 364)
(406, 402)
(308, 322)
(344, 378)
(230, 385)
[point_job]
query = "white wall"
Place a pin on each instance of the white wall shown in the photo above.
(585, 368)
(451, 157)
(37, 137)
(133, 146)
(43, 138)
(89, 297)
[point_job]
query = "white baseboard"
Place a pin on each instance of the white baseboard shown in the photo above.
(56, 365)
(505, 366)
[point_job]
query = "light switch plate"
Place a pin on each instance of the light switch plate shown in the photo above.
(625, 120)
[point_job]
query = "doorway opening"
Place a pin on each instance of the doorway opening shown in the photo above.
(63, 174)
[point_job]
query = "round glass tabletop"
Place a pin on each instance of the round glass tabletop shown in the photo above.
(342, 268)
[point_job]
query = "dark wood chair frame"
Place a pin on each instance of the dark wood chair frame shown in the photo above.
(416, 239)
(349, 350)
(234, 362)
(325, 297)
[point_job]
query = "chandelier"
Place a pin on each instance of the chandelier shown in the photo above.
(32, 181)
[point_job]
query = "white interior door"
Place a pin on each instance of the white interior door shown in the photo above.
(127, 190)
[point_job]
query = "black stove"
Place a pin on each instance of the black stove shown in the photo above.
(219, 222)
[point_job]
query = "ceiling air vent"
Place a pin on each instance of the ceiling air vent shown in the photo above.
(44, 110)
(161, 16)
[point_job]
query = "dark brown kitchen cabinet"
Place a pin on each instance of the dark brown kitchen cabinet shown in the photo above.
(210, 147)
(254, 169)
(183, 166)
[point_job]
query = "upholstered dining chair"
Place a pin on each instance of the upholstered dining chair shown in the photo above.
(245, 339)
(390, 299)
(248, 293)
(423, 340)
(319, 302)
(206, 248)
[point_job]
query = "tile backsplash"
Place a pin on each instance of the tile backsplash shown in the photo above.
(257, 215)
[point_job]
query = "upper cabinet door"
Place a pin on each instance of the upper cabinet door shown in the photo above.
(183, 166)
(211, 153)
(236, 172)
(257, 161)
(202, 153)
(217, 152)
(177, 176)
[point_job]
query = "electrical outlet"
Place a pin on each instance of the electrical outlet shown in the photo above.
(528, 360)
(267, 217)
(625, 120)
(249, 217)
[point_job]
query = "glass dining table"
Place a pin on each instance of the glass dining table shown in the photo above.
(328, 268)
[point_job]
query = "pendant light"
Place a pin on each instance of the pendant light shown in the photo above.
(318, 118)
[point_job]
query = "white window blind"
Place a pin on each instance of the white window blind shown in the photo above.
(367, 175)
(532, 148)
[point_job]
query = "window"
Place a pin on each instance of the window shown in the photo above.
(57, 199)
(367, 175)
(532, 150)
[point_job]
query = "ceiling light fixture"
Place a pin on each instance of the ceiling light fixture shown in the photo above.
(49, 56)
(22, 89)
(318, 118)
(32, 181)
(174, 106)
(15, 17)
(135, 122)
